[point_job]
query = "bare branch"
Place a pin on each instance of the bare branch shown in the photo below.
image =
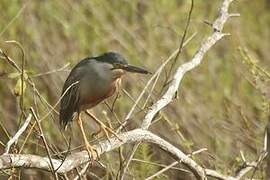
(158, 71)
(241, 173)
(76, 159)
(18, 134)
(156, 75)
(184, 68)
(138, 135)
(251, 166)
(193, 63)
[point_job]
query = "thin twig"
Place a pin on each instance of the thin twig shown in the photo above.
(65, 157)
(45, 143)
(82, 171)
(52, 71)
(128, 161)
(161, 165)
(181, 45)
(251, 166)
(173, 164)
(58, 101)
(27, 136)
(18, 134)
(28, 80)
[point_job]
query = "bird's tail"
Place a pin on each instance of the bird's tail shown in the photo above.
(66, 117)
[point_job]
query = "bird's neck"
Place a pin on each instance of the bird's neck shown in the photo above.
(118, 73)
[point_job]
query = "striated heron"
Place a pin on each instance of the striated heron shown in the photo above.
(91, 81)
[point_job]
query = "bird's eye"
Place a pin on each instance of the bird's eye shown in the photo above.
(117, 65)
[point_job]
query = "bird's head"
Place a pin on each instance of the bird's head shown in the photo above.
(120, 63)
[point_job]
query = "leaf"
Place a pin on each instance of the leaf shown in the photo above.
(18, 88)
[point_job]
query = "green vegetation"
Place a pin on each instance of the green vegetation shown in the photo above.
(223, 104)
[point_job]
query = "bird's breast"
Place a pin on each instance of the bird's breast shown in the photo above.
(93, 100)
(114, 86)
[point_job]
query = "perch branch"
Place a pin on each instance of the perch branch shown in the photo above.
(138, 135)
(79, 158)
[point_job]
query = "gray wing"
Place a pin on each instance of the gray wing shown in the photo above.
(70, 97)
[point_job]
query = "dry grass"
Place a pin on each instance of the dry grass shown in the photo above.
(223, 105)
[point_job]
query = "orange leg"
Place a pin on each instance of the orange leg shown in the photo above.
(103, 127)
(91, 150)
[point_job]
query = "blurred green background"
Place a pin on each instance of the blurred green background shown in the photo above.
(223, 104)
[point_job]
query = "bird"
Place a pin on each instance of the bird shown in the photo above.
(91, 81)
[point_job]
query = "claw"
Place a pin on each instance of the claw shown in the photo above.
(92, 153)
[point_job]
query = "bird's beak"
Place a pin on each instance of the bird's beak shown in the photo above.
(134, 69)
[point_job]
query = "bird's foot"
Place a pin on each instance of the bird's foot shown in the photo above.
(92, 152)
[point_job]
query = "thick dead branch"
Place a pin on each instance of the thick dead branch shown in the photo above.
(138, 135)
(76, 159)
(193, 63)
(184, 68)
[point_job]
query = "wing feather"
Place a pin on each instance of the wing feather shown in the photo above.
(70, 97)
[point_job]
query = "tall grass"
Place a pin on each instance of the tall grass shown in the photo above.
(223, 105)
